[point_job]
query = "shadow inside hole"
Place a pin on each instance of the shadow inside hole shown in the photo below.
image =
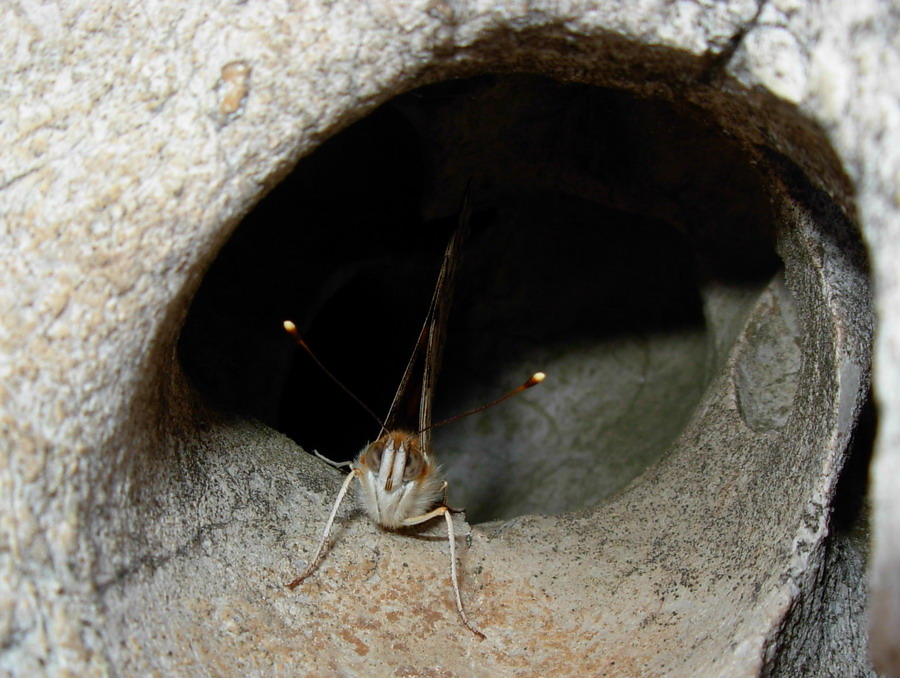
(608, 305)
(353, 203)
(364, 334)
(546, 282)
(612, 305)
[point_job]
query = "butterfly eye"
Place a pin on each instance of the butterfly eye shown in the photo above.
(415, 466)
(374, 454)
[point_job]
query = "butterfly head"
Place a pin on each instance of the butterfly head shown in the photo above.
(399, 478)
(396, 458)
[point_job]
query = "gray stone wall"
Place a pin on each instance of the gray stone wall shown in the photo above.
(661, 506)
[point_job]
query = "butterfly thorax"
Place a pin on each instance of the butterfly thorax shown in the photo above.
(399, 478)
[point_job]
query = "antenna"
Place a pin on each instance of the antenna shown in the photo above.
(533, 380)
(291, 329)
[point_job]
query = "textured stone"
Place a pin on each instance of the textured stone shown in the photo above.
(662, 503)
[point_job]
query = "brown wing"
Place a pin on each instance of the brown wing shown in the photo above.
(411, 407)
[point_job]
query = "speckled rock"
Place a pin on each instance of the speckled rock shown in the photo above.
(659, 507)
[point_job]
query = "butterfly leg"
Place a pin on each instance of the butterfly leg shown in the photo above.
(451, 537)
(315, 561)
(331, 462)
(452, 509)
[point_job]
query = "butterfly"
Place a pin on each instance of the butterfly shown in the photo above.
(400, 480)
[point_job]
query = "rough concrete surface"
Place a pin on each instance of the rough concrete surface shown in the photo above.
(682, 210)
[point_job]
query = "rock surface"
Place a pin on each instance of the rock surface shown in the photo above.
(145, 530)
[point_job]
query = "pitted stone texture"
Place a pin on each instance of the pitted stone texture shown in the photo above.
(142, 532)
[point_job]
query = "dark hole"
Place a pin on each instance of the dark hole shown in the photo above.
(600, 220)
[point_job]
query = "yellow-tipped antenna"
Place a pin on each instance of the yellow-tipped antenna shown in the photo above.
(291, 329)
(533, 380)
